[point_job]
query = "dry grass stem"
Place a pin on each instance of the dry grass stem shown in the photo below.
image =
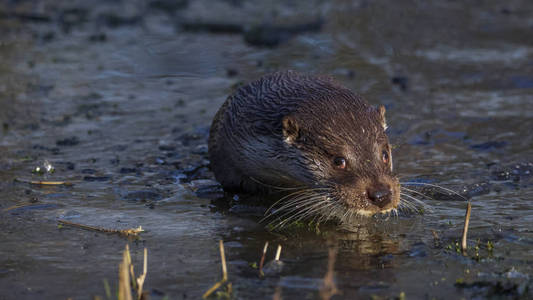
(465, 228)
(142, 277)
(19, 206)
(39, 182)
(124, 281)
(262, 261)
(224, 280)
(51, 182)
(223, 258)
(278, 252)
(126, 232)
(126, 277)
(213, 289)
(130, 265)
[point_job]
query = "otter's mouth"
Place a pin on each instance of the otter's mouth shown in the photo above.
(361, 208)
(370, 213)
(318, 205)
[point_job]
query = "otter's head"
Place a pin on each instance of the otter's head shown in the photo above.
(343, 156)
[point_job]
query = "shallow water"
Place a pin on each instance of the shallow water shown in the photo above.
(119, 98)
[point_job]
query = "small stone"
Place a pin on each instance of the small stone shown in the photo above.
(72, 141)
(96, 178)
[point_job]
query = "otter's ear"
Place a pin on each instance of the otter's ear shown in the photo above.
(290, 129)
(382, 110)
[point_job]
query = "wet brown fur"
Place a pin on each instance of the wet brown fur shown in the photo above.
(287, 128)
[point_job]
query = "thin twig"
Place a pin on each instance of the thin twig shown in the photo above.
(262, 261)
(50, 182)
(213, 288)
(142, 277)
(20, 205)
(223, 258)
(217, 285)
(127, 232)
(465, 229)
(278, 252)
(39, 182)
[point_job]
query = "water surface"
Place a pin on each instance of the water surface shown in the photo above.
(119, 97)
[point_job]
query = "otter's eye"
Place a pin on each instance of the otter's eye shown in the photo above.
(385, 157)
(340, 162)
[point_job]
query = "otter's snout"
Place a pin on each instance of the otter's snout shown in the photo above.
(380, 195)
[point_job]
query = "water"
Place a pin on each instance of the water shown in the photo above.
(119, 99)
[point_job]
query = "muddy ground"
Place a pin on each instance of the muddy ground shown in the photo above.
(118, 96)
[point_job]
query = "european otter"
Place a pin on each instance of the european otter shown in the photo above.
(308, 135)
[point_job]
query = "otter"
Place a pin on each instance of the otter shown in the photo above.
(311, 137)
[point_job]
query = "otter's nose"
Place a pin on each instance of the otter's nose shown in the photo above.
(380, 196)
